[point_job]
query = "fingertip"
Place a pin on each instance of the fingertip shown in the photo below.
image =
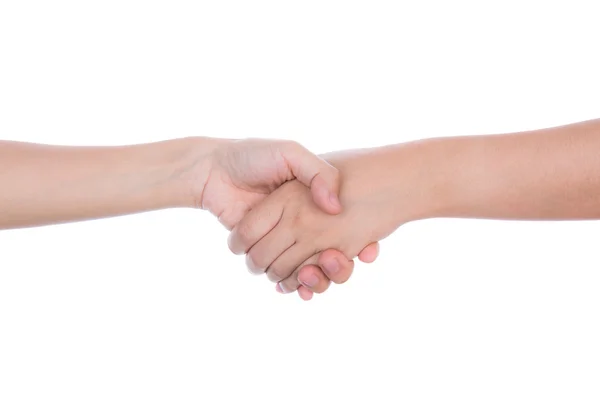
(334, 202)
(336, 266)
(370, 253)
(312, 278)
(305, 294)
(324, 197)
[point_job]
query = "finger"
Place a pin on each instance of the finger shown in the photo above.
(257, 223)
(288, 262)
(267, 249)
(304, 293)
(313, 279)
(370, 253)
(232, 217)
(291, 283)
(316, 173)
(335, 265)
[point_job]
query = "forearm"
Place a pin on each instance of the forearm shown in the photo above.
(549, 174)
(42, 184)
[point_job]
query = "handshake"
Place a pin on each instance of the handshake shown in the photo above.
(298, 218)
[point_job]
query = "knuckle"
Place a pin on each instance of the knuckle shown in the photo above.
(342, 279)
(291, 144)
(245, 233)
(322, 287)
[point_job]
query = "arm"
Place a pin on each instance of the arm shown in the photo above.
(546, 174)
(549, 174)
(43, 184)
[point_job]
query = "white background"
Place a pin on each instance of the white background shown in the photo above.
(154, 306)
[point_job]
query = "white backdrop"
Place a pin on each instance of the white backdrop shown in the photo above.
(153, 306)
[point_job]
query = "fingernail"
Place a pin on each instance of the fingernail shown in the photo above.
(281, 288)
(334, 200)
(310, 281)
(332, 266)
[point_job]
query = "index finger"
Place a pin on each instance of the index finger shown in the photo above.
(254, 226)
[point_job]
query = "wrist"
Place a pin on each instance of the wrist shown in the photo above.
(428, 174)
(404, 182)
(449, 172)
(408, 176)
(190, 161)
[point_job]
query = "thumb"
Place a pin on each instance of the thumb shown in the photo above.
(316, 173)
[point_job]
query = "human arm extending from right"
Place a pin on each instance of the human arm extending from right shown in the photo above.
(547, 174)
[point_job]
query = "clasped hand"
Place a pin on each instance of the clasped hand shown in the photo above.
(281, 204)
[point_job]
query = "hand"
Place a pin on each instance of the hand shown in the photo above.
(287, 230)
(332, 266)
(239, 174)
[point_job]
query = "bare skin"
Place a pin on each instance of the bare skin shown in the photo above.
(548, 174)
(44, 184)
